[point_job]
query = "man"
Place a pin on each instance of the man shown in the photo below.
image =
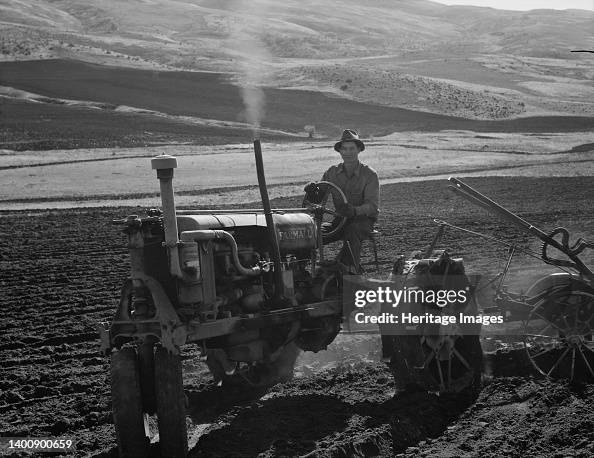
(360, 184)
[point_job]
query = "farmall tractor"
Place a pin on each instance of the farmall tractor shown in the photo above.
(251, 288)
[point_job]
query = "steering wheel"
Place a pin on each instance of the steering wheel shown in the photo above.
(321, 208)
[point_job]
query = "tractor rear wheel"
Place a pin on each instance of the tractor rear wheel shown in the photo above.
(446, 364)
(171, 404)
(456, 365)
(127, 404)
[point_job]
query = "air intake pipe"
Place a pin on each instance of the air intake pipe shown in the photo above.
(164, 166)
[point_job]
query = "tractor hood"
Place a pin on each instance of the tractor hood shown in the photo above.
(236, 220)
(296, 231)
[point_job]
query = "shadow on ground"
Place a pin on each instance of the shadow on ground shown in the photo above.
(311, 424)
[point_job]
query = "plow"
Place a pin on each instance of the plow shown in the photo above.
(251, 288)
(557, 311)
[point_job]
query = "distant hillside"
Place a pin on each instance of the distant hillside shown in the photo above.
(306, 28)
(71, 104)
(478, 63)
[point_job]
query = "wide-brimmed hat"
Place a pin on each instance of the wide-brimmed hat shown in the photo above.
(349, 136)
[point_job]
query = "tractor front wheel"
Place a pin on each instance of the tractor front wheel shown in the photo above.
(127, 404)
(171, 404)
(146, 366)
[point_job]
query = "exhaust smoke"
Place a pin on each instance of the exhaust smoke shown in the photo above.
(251, 55)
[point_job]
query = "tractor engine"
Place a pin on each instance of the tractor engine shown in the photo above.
(245, 285)
(225, 261)
(226, 270)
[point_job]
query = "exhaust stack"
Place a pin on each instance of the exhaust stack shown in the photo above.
(164, 166)
(276, 258)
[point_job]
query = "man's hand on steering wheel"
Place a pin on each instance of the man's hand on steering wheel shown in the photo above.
(315, 200)
(312, 192)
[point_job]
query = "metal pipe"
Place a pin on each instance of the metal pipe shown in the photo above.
(476, 197)
(276, 259)
(164, 166)
(210, 234)
(217, 211)
(512, 251)
(435, 241)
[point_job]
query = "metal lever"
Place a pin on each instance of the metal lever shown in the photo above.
(477, 198)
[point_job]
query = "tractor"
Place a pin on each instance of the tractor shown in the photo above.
(251, 288)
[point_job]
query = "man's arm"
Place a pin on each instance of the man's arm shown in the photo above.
(371, 195)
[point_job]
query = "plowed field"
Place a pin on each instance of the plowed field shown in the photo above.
(61, 271)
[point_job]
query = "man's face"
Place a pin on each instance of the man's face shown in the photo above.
(349, 151)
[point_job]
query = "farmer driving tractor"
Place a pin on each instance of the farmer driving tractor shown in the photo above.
(360, 185)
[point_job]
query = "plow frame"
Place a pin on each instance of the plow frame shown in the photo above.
(562, 302)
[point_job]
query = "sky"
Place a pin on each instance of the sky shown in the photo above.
(525, 4)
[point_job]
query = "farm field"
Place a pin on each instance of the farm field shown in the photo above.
(64, 269)
(91, 92)
(59, 104)
(122, 176)
(479, 63)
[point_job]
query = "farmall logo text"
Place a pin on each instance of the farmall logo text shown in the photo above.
(296, 234)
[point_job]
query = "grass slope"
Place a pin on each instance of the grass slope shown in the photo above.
(202, 95)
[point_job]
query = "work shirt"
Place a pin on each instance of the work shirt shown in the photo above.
(361, 189)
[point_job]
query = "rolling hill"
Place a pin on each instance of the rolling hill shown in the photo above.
(416, 55)
(303, 29)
